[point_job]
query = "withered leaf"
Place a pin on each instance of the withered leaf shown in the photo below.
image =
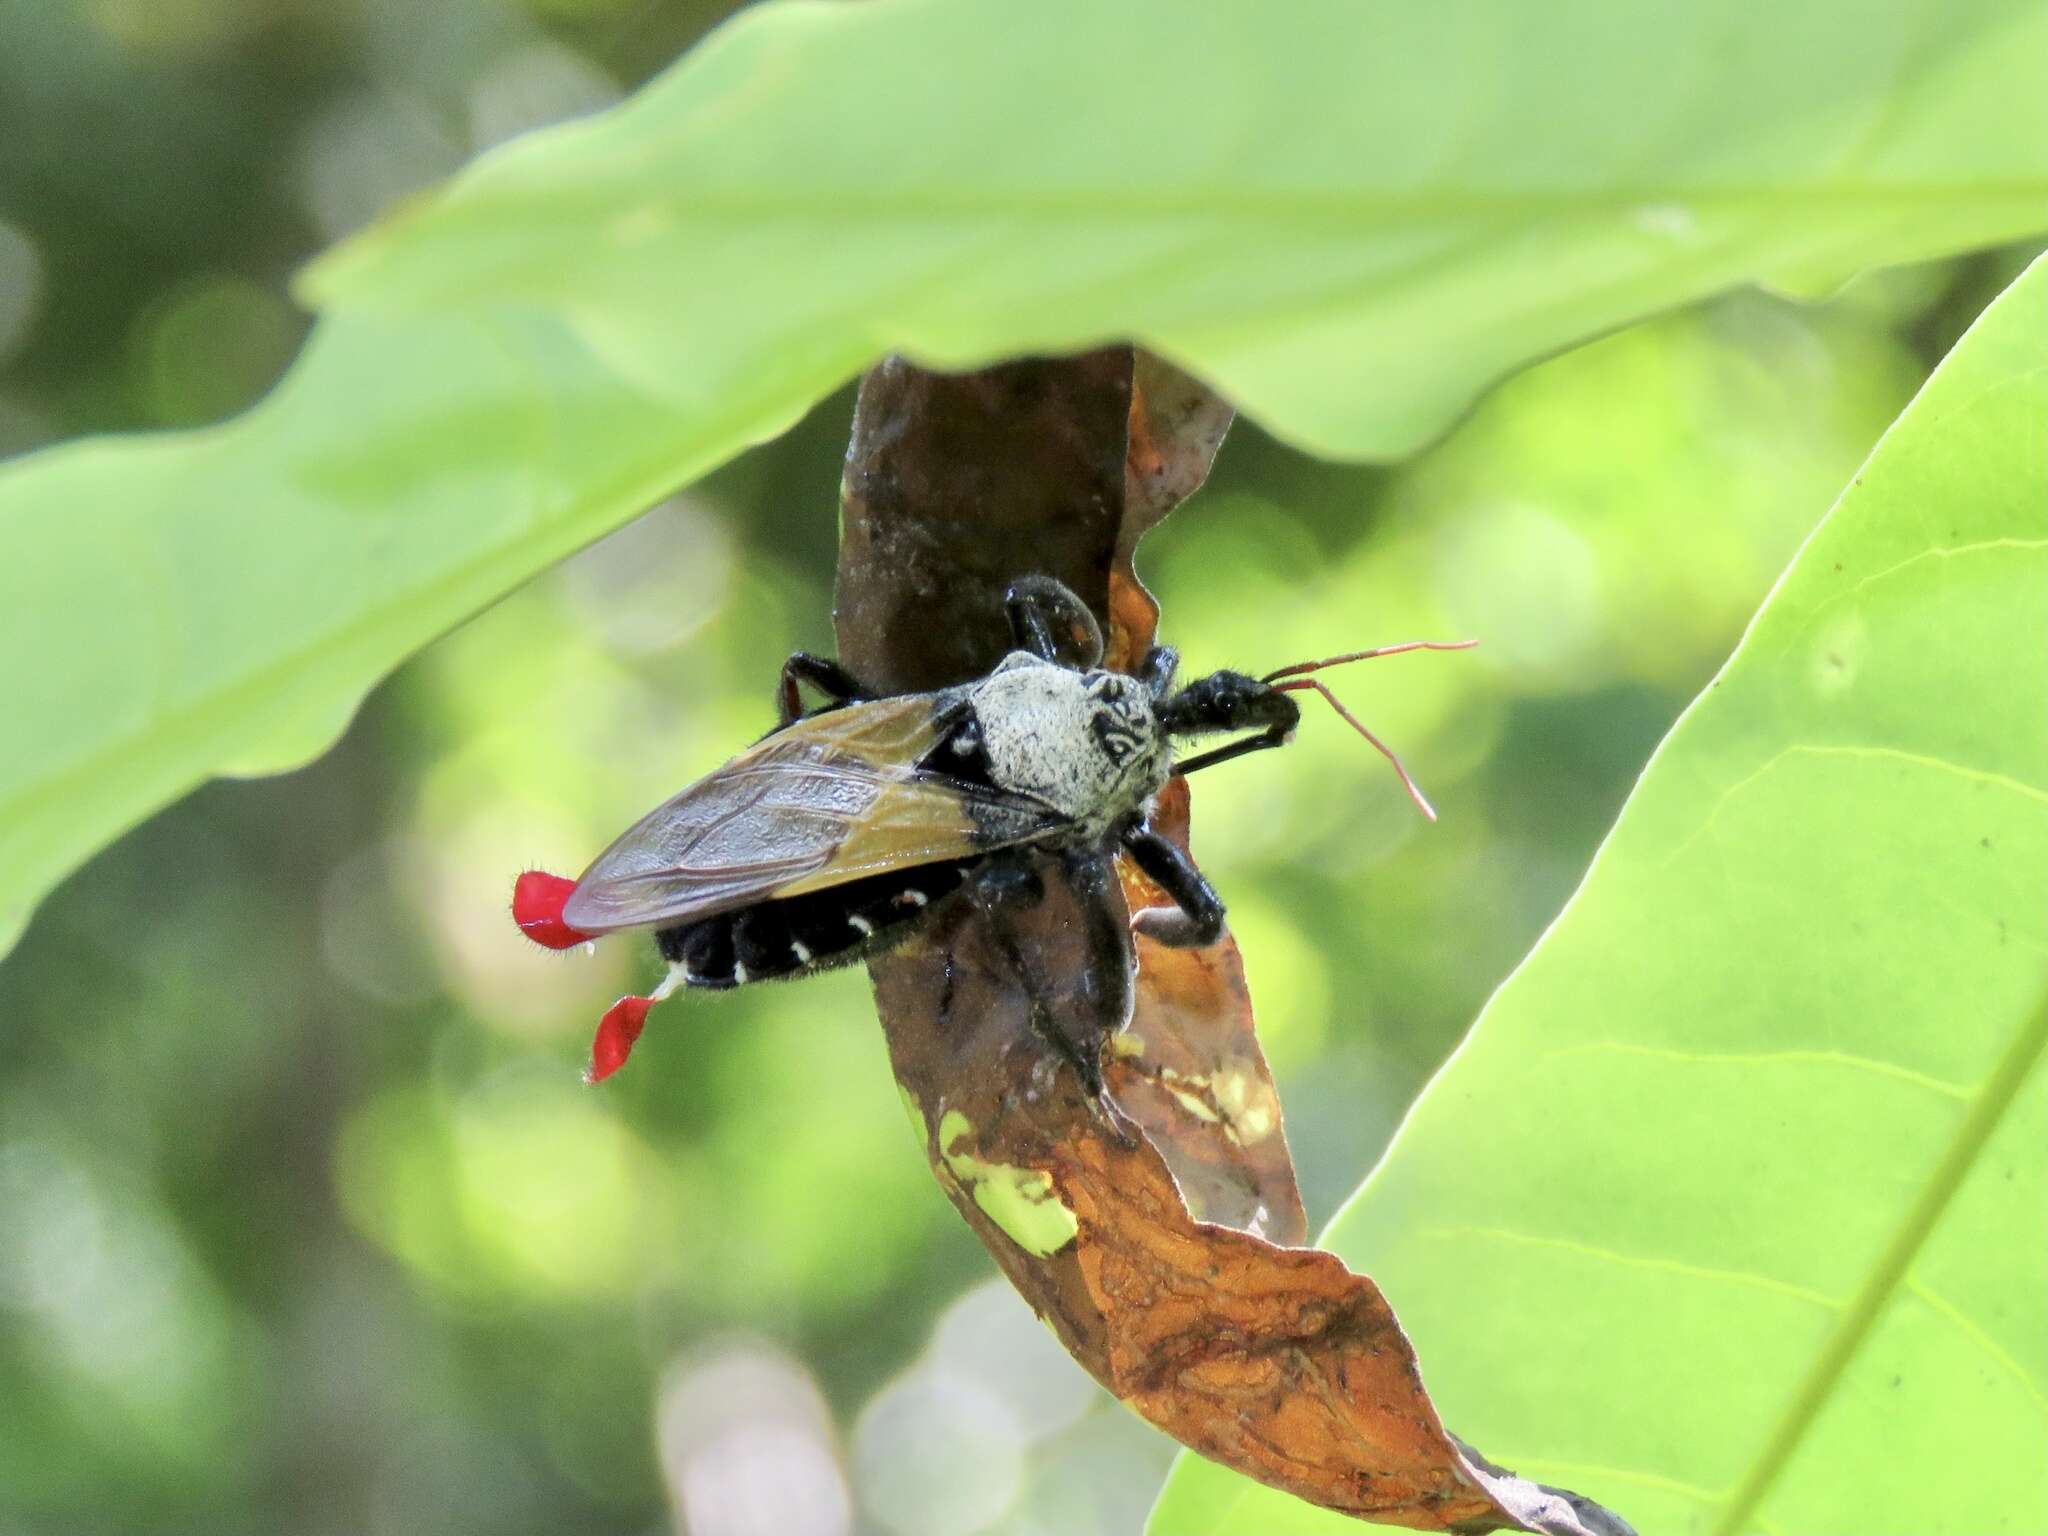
(1175, 427)
(1188, 1069)
(1272, 1358)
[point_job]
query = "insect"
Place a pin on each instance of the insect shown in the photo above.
(846, 825)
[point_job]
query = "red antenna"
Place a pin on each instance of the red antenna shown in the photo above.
(1302, 683)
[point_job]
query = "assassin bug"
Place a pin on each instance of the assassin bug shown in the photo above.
(844, 826)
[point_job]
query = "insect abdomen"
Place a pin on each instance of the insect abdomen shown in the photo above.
(796, 934)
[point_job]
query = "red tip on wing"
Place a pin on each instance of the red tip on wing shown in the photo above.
(616, 1032)
(537, 900)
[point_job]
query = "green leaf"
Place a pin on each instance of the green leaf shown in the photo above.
(1348, 219)
(1351, 217)
(1731, 1213)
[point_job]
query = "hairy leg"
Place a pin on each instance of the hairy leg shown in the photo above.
(832, 680)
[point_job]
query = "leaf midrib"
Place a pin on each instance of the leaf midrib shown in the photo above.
(1810, 1397)
(1212, 204)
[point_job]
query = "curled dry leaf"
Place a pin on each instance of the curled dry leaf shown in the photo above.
(1175, 426)
(1188, 1069)
(1157, 1233)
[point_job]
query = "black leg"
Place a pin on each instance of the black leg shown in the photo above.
(1156, 671)
(1052, 624)
(1110, 959)
(831, 679)
(1006, 883)
(1276, 737)
(1196, 918)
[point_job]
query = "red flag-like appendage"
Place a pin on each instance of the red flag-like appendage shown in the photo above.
(537, 900)
(616, 1032)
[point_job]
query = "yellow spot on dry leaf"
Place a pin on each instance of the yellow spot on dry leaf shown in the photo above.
(1019, 1200)
(1247, 1101)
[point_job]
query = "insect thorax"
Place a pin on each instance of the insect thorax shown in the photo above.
(1087, 743)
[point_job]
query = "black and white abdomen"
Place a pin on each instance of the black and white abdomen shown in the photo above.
(1034, 753)
(796, 934)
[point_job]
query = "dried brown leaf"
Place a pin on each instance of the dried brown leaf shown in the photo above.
(1272, 1358)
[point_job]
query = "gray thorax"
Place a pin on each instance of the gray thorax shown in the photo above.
(1087, 743)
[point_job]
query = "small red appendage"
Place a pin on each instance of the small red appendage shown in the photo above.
(616, 1032)
(537, 900)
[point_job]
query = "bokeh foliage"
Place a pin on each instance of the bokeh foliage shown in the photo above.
(307, 1223)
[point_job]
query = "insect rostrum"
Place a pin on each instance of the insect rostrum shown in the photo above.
(846, 825)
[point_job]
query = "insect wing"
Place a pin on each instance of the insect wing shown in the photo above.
(830, 799)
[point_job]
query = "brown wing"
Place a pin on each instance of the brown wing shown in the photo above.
(829, 799)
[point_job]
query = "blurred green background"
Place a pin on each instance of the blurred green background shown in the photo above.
(306, 1222)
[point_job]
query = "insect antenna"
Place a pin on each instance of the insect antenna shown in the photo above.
(1296, 679)
(1301, 668)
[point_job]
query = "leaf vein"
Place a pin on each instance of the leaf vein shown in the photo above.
(1543, 1467)
(1962, 1321)
(1817, 749)
(1741, 1277)
(1891, 1069)
(1941, 552)
(1338, 207)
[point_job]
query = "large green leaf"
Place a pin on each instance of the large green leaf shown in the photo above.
(1731, 1213)
(1351, 216)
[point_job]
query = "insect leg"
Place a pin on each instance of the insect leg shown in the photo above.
(1003, 884)
(832, 680)
(1047, 620)
(1196, 918)
(1156, 670)
(1111, 961)
(1276, 737)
